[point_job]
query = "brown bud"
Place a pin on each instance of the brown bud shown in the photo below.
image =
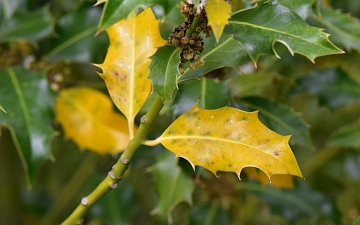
(200, 62)
(181, 69)
(175, 41)
(192, 65)
(180, 34)
(197, 57)
(188, 54)
(184, 40)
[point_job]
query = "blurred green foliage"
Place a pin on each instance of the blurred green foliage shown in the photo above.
(42, 184)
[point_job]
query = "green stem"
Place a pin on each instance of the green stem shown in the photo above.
(119, 168)
(196, 23)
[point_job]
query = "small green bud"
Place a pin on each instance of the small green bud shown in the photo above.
(192, 65)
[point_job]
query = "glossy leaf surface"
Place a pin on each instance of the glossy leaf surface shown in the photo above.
(165, 75)
(30, 26)
(281, 119)
(164, 71)
(344, 30)
(229, 139)
(29, 105)
(125, 68)
(171, 184)
(259, 29)
(301, 7)
(120, 9)
(88, 119)
(218, 13)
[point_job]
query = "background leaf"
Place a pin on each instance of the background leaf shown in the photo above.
(346, 136)
(125, 68)
(279, 118)
(333, 87)
(121, 9)
(277, 180)
(203, 92)
(87, 118)
(218, 13)
(228, 139)
(29, 105)
(259, 29)
(344, 29)
(30, 26)
(171, 184)
(255, 84)
(301, 202)
(77, 42)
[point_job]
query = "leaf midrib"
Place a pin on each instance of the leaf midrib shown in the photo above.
(20, 27)
(20, 95)
(183, 137)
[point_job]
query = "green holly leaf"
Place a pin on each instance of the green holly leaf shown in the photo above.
(344, 30)
(250, 84)
(163, 70)
(258, 29)
(225, 53)
(279, 118)
(301, 202)
(171, 184)
(346, 136)
(204, 92)
(77, 42)
(165, 75)
(301, 7)
(333, 87)
(8, 7)
(29, 105)
(29, 26)
(115, 10)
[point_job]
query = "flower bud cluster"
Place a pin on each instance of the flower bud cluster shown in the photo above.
(192, 45)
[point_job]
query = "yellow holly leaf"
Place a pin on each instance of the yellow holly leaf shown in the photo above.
(277, 180)
(125, 68)
(228, 139)
(218, 13)
(87, 118)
